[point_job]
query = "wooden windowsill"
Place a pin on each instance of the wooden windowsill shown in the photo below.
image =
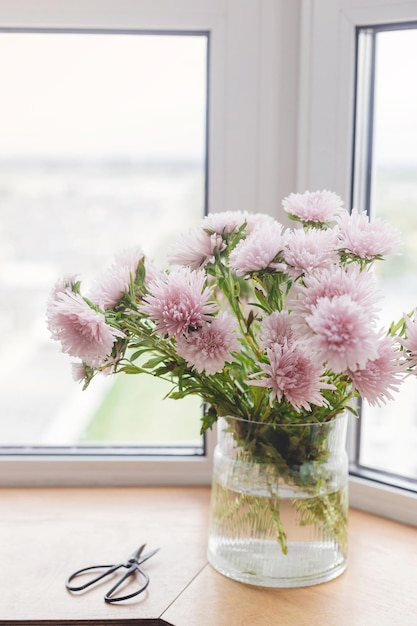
(47, 533)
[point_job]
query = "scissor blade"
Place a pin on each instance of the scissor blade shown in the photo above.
(147, 556)
(135, 556)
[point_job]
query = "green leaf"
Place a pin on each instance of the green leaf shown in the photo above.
(140, 273)
(133, 369)
(152, 363)
(138, 354)
(263, 302)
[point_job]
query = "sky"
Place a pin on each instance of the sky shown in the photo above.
(396, 98)
(89, 95)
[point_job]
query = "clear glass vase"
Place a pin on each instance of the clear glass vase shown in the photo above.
(279, 502)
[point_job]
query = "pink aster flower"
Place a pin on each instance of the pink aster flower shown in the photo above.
(342, 333)
(196, 248)
(328, 283)
(178, 302)
(152, 272)
(230, 221)
(295, 374)
(227, 222)
(253, 220)
(210, 347)
(258, 250)
(317, 206)
(410, 342)
(108, 288)
(379, 377)
(63, 285)
(306, 251)
(129, 257)
(365, 239)
(276, 328)
(82, 331)
(110, 285)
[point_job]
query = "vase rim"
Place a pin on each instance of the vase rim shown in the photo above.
(340, 416)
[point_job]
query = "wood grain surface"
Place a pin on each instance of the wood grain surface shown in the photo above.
(45, 534)
(379, 588)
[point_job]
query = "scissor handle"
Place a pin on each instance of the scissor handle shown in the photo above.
(109, 569)
(134, 568)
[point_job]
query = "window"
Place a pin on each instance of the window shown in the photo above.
(386, 155)
(250, 123)
(383, 464)
(102, 147)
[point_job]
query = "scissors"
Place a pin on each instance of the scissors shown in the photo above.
(132, 564)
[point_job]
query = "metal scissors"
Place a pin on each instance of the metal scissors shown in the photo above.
(133, 566)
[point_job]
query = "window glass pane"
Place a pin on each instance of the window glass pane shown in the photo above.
(389, 433)
(102, 147)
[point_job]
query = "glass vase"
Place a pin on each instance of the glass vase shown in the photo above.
(279, 502)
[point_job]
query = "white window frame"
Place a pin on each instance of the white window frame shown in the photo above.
(325, 145)
(252, 159)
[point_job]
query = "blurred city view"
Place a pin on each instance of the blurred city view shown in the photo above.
(388, 438)
(389, 431)
(65, 219)
(102, 147)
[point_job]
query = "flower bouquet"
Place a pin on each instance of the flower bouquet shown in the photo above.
(274, 328)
